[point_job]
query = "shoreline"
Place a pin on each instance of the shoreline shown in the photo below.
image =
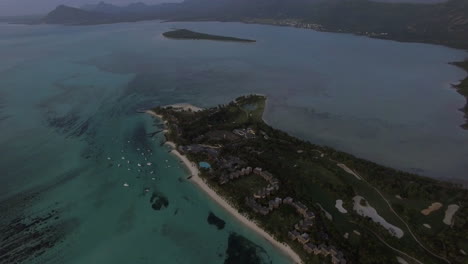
(225, 205)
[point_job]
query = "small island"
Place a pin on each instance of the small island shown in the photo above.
(188, 34)
(313, 202)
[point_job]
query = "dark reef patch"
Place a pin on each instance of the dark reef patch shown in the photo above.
(26, 235)
(216, 221)
(139, 137)
(26, 238)
(69, 124)
(242, 250)
(159, 201)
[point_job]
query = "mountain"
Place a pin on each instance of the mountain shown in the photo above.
(74, 16)
(102, 7)
(134, 8)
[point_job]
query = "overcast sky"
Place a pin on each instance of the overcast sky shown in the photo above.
(25, 7)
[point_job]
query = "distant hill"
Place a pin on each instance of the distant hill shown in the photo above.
(134, 8)
(102, 7)
(442, 23)
(74, 16)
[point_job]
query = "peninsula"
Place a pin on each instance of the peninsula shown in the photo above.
(313, 202)
(187, 34)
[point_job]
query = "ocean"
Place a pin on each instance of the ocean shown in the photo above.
(84, 177)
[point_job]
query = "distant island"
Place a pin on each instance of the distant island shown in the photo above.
(313, 202)
(188, 34)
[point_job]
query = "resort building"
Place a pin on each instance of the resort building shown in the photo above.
(309, 215)
(310, 248)
(304, 238)
(304, 225)
(323, 250)
(293, 235)
(288, 200)
(257, 208)
(257, 171)
(332, 250)
(275, 203)
(301, 208)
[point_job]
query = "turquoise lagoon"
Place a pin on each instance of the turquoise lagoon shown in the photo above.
(71, 189)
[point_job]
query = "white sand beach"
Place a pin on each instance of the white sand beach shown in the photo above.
(151, 112)
(249, 223)
(218, 199)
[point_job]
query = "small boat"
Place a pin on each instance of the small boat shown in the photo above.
(126, 185)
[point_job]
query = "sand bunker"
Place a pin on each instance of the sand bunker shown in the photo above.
(449, 213)
(369, 211)
(401, 260)
(432, 208)
(339, 206)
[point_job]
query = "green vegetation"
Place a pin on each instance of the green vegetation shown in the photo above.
(187, 34)
(462, 88)
(310, 174)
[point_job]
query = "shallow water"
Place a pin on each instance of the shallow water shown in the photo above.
(68, 101)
